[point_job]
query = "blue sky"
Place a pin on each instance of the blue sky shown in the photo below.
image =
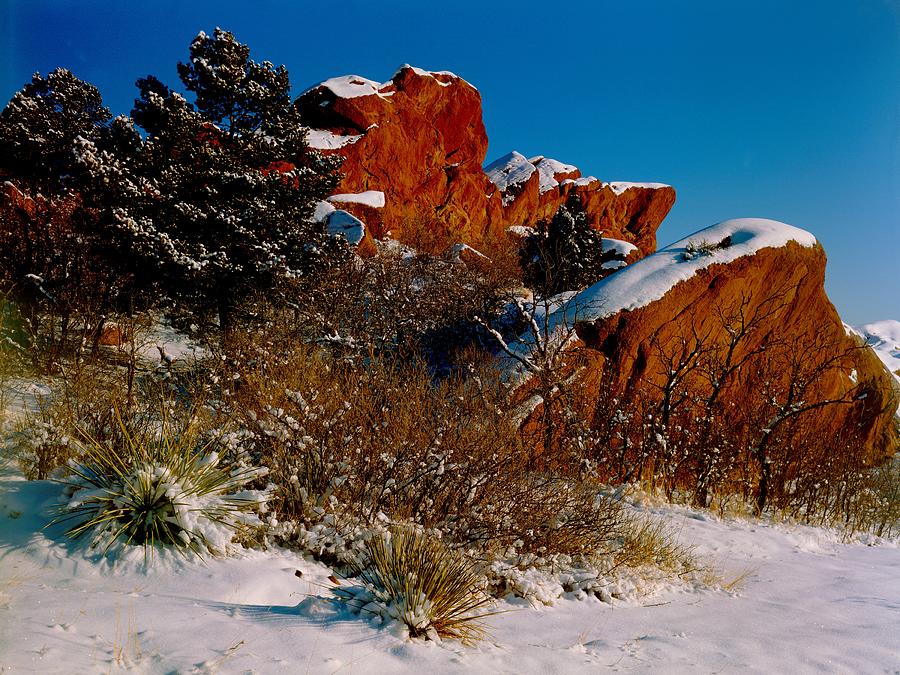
(771, 108)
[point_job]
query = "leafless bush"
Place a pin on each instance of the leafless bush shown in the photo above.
(385, 440)
(83, 400)
(405, 303)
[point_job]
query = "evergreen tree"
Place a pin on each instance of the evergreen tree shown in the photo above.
(40, 126)
(563, 254)
(220, 200)
(55, 254)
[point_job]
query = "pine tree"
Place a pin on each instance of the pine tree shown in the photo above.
(54, 252)
(221, 197)
(563, 254)
(40, 126)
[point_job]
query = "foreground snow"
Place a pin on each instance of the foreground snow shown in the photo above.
(808, 604)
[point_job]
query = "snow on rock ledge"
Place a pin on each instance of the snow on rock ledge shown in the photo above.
(649, 279)
(351, 86)
(510, 171)
(622, 248)
(769, 272)
(321, 139)
(652, 277)
(371, 198)
(551, 172)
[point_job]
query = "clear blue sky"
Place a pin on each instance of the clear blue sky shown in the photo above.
(770, 108)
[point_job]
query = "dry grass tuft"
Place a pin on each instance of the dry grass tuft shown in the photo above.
(648, 542)
(410, 577)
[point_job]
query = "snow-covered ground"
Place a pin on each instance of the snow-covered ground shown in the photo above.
(808, 604)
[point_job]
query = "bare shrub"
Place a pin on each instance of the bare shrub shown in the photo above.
(696, 249)
(356, 444)
(415, 305)
(650, 543)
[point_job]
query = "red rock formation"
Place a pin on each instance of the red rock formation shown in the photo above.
(777, 286)
(420, 139)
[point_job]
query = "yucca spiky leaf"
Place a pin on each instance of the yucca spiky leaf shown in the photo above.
(163, 488)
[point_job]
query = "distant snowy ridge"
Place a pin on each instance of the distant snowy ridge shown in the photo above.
(884, 339)
(620, 186)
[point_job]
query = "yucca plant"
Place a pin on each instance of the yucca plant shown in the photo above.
(408, 576)
(152, 487)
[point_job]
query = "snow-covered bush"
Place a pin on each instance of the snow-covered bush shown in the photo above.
(354, 447)
(42, 446)
(696, 249)
(159, 486)
(414, 579)
(80, 400)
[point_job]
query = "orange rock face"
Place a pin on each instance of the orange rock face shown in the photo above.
(420, 139)
(793, 328)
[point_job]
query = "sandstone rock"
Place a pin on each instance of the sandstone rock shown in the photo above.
(750, 270)
(112, 335)
(420, 139)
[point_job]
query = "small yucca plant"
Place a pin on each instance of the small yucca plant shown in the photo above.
(161, 487)
(410, 577)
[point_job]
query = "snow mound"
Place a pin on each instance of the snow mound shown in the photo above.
(884, 338)
(622, 248)
(510, 170)
(373, 198)
(323, 210)
(620, 186)
(322, 139)
(547, 169)
(817, 605)
(649, 279)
